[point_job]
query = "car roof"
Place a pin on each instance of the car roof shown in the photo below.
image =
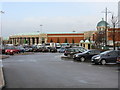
(111, 51)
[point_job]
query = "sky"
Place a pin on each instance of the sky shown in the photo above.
(26, 17)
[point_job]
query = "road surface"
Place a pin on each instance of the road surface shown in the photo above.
(48, 70)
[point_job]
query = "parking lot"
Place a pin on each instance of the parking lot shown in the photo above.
(49, 70)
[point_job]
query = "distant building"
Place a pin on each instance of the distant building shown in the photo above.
(38, 38)
(98, 36)
(5, 41)
(102, 25)
(86, 39)
(88, 34)
(117, 36)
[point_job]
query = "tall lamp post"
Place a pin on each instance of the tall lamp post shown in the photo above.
(1, 12)
(41, 32)
(105, 33)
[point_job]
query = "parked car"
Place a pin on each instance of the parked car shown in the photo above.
(62, 49)
(106, 57)
(45, 49)
(118, 60)
(71, 51)
(52, 49)
(21, 49)
(28, 48)
(39, 49)
(82, 49)
(11, 50)
(35, 49)
(87, 55)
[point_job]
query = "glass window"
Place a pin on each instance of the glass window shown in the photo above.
(76, 50)
(97, 52)
(91, 52)
(113, 53)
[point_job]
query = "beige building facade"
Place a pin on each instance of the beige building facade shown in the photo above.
(28, 39)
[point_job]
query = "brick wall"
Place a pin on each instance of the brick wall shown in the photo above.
(117, 34)
(64, 38)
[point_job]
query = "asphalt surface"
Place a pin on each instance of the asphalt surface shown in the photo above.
(48, 70)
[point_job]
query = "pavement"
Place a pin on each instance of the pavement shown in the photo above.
(4, 56)
(2, 83)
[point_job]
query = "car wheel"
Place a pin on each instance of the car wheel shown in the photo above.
(82, 59)
(65, 54)
(103, 62)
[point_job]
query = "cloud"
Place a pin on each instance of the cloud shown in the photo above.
(50, 24)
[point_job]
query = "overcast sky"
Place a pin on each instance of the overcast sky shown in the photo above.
(20, 17)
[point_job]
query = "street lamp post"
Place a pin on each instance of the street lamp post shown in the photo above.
(114, 22)
(1, 12)
(105, 34)
(41, 32)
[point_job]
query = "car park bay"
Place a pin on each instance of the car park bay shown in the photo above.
(48, 70)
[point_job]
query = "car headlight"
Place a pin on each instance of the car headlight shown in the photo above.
(76, 55)
(11, 51)
(97, 57)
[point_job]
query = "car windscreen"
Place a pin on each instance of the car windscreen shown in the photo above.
(86, 51)
(105, 52)
(77, 50)
(71, 50)
(10, 47)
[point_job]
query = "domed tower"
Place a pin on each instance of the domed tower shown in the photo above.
(102, 25)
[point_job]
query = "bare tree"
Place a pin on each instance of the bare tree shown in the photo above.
(99, 38)
(114, 21)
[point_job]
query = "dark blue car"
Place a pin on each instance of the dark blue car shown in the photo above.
(86, 55)
(106, 57)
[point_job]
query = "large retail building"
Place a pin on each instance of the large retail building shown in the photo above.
(40, 38)
(70, 37)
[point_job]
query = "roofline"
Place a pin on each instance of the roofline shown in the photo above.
(47, 33)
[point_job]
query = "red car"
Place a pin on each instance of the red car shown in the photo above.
(12, 50)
